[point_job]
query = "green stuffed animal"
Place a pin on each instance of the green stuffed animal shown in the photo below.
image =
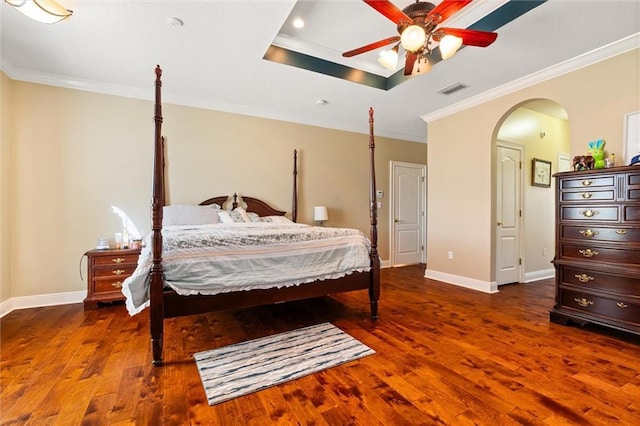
(597, 151)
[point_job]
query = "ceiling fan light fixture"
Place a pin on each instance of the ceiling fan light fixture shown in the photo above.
(45, 11)
(413, 38)
(389, 58)
(421, 66)
(449, 45)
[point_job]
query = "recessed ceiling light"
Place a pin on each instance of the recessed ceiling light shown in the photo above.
(298, 23)
(175, 22)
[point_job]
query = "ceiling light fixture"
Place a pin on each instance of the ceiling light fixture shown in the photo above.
(298, 23)
(45, 11)
(419, 34)
(389, 58)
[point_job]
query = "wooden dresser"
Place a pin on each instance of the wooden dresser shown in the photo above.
(106, 270)
(597, 256)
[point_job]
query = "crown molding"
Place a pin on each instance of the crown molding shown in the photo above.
(605, 52)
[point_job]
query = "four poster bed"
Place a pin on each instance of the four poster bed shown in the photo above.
(175, 275)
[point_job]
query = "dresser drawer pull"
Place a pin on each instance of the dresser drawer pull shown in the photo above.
(117, 284)
(589, 213)
(586, 182)
(119, 271)
(588, 252)
(118, 260)
(586, 195)
(622, 305)
(621, 231)
(588, 233)
(584, 278)
(583, 302)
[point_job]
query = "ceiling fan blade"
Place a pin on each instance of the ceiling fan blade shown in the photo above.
(389, 10)
(471, 37)
(446, 8)
(408, 64)
(371, 46)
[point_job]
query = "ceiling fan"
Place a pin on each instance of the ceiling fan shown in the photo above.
(417, 25)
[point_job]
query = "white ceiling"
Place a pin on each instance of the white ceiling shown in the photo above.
(215, 60)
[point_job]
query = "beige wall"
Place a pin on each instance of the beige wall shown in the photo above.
(6, 136)
(77, 153)
(461, 213)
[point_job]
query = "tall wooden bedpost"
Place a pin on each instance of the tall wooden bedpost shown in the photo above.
(294, 203)
(157, 204)
(374, 285)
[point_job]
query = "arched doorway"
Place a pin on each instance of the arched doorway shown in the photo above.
(524, 213)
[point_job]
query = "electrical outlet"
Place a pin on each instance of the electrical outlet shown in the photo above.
(450, 255)
(379, 204)
(379, 193)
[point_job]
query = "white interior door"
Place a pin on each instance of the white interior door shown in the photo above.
(509, 173)
(408, 213)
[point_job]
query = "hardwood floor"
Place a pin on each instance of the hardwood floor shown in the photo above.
(445, 355)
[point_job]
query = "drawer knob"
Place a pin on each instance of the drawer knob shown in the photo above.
(583, 302)
(118, 260)
(589, 213)
(622, 305)
(588, 233)
(621, 231)
(586, 182)
(117, 284)
(586, 195)
(584, 278)
(588, 252)
(119, 271)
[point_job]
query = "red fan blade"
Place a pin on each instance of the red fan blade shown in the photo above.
(389, 10)
(408, 64)
(471, 37)
(371, 46)
(447, 8)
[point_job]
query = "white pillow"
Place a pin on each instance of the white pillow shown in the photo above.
(180, 214)
(224, 217)
(242, 213)
(278, 219)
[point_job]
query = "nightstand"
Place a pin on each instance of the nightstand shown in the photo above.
(106, 271)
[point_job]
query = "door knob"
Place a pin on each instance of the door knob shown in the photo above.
(396, 220)
(499, 223)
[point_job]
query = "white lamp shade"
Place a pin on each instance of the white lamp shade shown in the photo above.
(449, 45)
(413, 38)
(45, 11)
(389, 59)
(320, 213)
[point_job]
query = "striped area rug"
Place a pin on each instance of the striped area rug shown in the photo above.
(243, 368)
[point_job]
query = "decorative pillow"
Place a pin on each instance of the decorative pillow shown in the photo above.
(253, 217)
(277, 219)
(224, 217)
(182, 214)
(244, 217)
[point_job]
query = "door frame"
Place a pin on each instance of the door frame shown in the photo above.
(392, 206)
(521, 189)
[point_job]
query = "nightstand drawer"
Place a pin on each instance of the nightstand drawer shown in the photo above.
(115, 259)
(114, 271)
(108, 285)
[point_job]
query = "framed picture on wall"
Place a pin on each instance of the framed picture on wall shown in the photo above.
(541, 173)
(631, 136)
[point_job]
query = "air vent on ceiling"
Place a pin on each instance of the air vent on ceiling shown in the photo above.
(452, 88)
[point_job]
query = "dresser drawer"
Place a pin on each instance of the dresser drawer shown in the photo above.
(589, 212)
(115, 259)
(588, 182)
(591, 279)
(114, 271)
(599, 233)
(594, 253)
(588, 195)
(109, 284)
(631, 213)
(621, 309)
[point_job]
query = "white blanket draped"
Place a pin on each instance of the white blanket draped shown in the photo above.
(212, 259)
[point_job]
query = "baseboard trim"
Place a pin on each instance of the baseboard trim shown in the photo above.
(41, 300)
(466, 282)
(539, 275)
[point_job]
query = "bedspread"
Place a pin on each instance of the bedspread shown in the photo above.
(212, 259)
